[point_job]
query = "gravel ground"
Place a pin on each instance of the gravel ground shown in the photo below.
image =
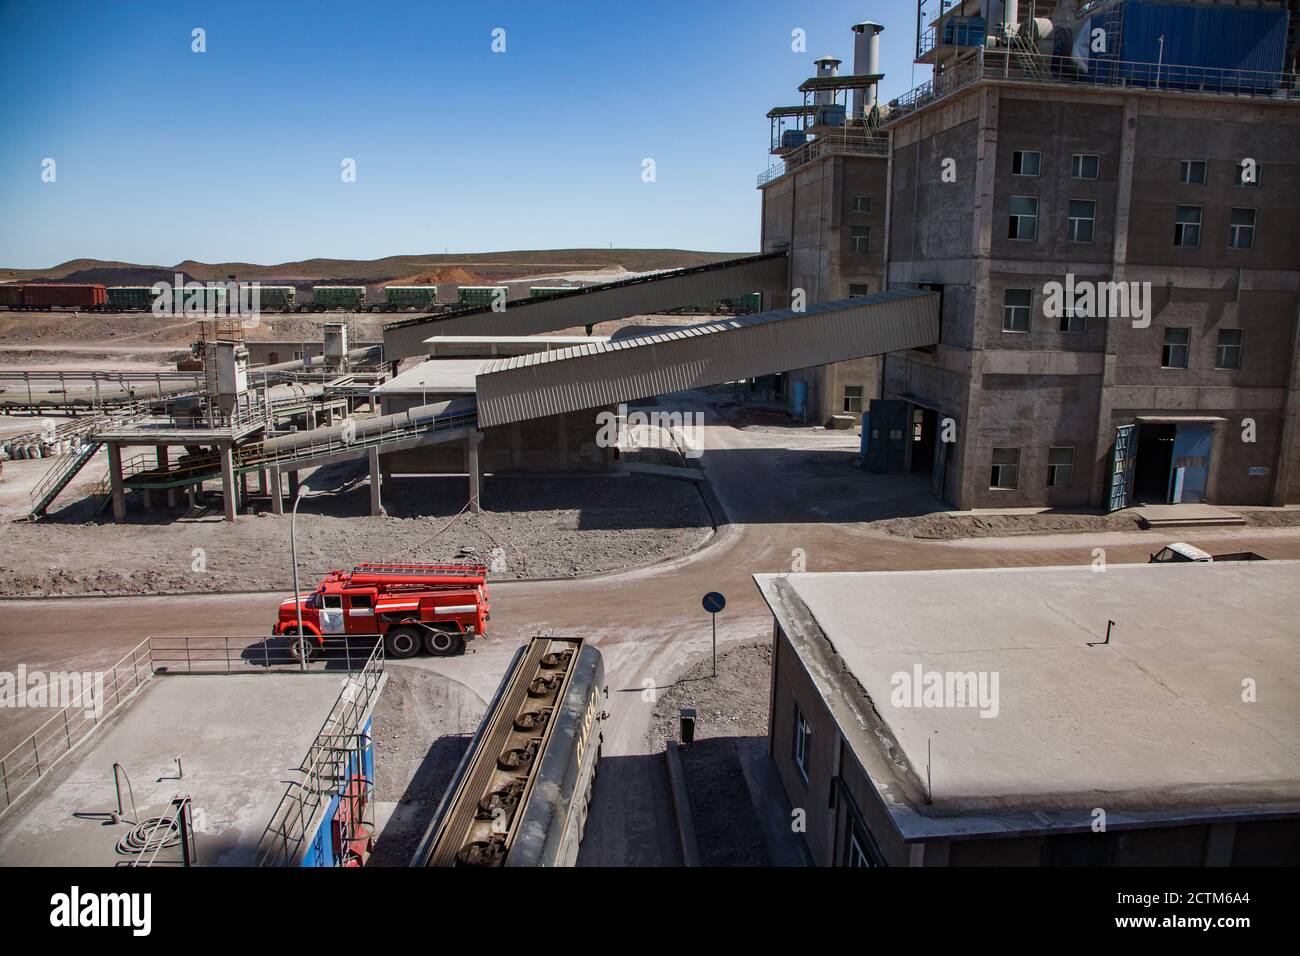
(534, 527)
(950, 526)
(733, 705)
(422, 727)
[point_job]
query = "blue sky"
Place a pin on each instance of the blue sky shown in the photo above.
(235, 154)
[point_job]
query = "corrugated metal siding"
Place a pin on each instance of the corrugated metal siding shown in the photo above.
(1222, 38)
(593, 376)
(564, 311)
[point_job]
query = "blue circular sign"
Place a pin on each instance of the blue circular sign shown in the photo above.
(714, 602)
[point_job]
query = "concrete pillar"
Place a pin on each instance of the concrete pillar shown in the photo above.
(277, 494)
(192, 492)
(164, 459)
(147, 499)
(293, 484)
(475, 479)
(376, 503)
(262, 487)
(228, 490)
(311, 423)
(115, 478)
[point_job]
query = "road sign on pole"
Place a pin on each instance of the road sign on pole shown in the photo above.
(713, 603)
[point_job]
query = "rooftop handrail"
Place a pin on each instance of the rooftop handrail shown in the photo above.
(1021, 67)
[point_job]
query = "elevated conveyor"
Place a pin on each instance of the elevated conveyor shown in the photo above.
(641, 295)
(606, 373)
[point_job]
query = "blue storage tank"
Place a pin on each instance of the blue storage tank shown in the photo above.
(1215, 49)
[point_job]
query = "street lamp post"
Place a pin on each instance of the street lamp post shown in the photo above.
(297, 596)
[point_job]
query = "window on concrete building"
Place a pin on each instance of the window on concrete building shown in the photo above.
(1006, 468)
(853, 398)
(1083, 217)
(859, 288)
(857, 855)
(1025, 162)
(1187, 226)
(1024, 218)
(802, 743)
(1016, 306)
(861, 239)
(1074, 318)
(1255, 176)
(1174, 354)
(1085, 166)
(1241, 234)
(1192, 172)
(862, 204)
(1228, 352)
(1060, 467)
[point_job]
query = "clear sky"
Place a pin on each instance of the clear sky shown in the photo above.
(235, 154)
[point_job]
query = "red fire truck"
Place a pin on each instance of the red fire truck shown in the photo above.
(437, 606)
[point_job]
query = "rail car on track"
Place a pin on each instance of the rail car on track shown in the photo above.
(521, 793)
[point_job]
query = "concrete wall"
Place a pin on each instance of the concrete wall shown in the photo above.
(810, 212)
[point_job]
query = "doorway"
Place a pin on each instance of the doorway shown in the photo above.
(1155, 456)
(925, 425)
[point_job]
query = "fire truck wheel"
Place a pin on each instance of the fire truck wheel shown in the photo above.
(300, 645)
(402, 642)
(442, 643)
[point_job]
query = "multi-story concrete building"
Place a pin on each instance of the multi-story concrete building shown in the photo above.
(1115, 235)
(824, 204)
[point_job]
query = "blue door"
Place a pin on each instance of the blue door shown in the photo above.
(1190, 468)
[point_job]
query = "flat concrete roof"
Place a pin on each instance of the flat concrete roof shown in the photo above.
(240, 738)
(1153, 721)
(436, 375)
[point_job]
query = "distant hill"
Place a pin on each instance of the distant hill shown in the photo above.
(494, 265)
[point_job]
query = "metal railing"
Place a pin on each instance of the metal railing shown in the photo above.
(1028, 67)
(26, 764)
(32, 759)
(39, 389)
(326, 768)
(253, 457)
(858, 144)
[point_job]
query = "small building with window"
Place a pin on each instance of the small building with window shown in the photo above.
(956, 718)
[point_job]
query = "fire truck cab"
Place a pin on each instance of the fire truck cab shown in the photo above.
(434, 606)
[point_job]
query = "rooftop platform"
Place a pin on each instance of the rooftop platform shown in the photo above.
(437, 376)
(240, 739)
(1152, 725)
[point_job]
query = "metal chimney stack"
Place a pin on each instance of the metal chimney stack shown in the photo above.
(826, 66)
(866, 62)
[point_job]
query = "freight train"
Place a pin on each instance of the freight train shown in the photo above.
(94, 297)
(521, 793)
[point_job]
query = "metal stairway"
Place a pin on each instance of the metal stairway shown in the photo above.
(59, 477)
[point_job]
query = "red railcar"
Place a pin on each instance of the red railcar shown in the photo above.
(11, 296)
(56, 295)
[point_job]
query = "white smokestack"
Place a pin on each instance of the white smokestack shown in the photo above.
(866, 62)
(1011, 16)
(826, 66)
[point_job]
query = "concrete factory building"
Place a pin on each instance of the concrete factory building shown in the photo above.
(954, 718)
(1112, 228)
